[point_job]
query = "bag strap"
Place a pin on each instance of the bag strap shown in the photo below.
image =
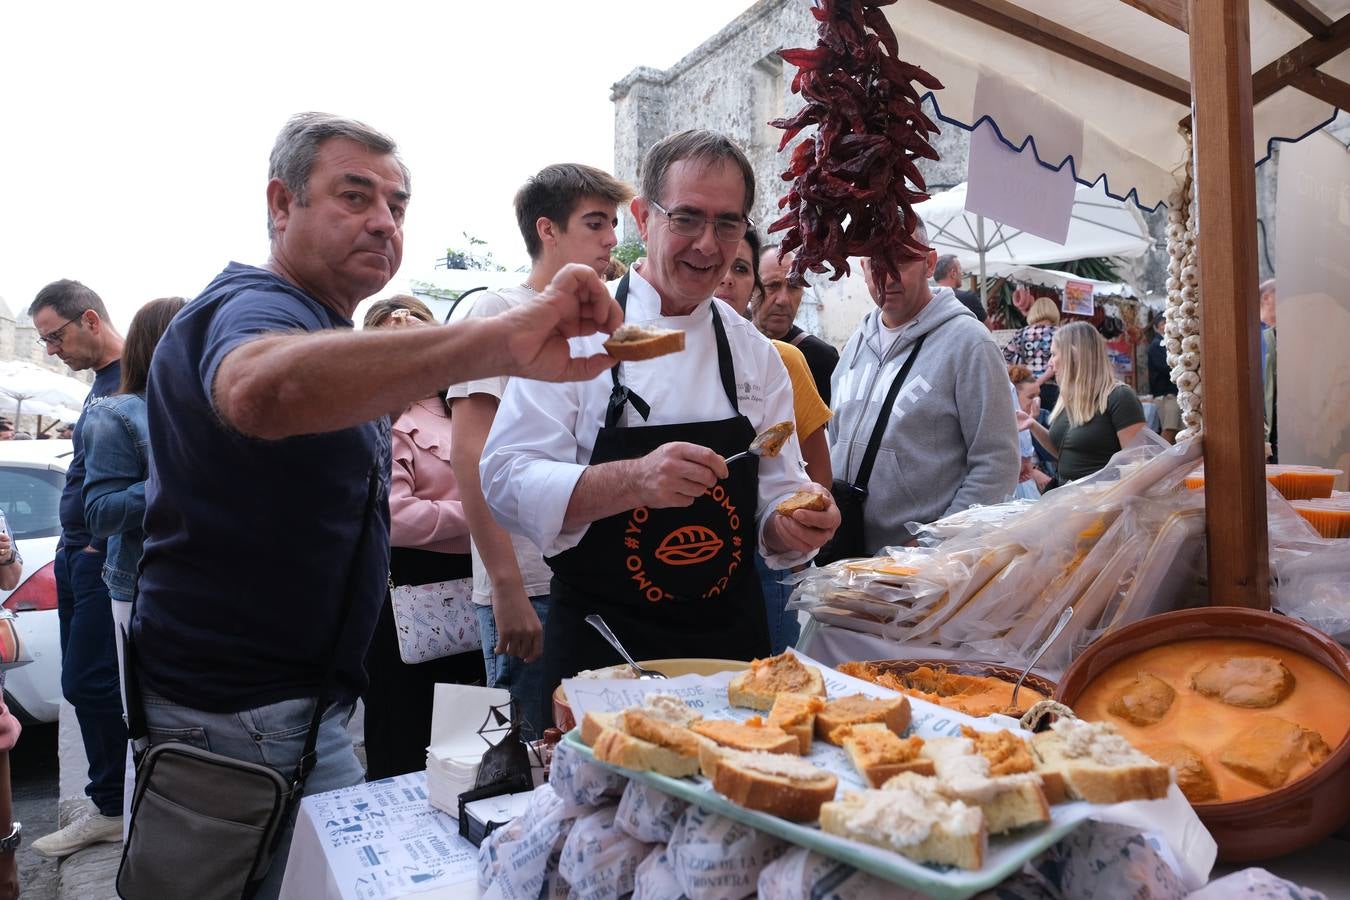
(874, 442)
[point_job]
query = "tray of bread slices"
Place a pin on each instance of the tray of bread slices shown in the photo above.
(927, 797)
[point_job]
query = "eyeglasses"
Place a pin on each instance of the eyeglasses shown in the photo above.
(53, 339)
(692, 224)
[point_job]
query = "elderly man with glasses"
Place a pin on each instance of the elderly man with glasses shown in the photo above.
(623, 480)
(72, 323)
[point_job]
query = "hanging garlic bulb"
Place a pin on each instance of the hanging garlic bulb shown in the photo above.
(1181, 335)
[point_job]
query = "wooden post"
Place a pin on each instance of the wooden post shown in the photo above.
(1230, 335)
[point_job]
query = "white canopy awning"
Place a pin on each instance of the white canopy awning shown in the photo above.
(1055, 279)
(1101, 86)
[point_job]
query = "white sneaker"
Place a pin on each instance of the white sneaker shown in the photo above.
(95, 828)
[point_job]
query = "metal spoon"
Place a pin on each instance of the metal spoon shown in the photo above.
(599, 625)
(1064, 618)
(767, 442)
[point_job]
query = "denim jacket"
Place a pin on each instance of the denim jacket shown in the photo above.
(116, 466)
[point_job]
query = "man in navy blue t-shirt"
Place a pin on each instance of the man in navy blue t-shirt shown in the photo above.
(72, 324)
(267, 415)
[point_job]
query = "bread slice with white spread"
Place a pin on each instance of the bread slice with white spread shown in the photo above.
(1093, 762)
(1011, 800)
(912, 818)
(784, 786)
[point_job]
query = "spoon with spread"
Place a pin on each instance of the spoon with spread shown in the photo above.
(768, 442)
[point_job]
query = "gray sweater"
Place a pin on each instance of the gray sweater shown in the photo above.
(951, 442)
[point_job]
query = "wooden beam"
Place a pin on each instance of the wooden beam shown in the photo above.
(1230, 330)
(1305, 15)
(1172, 12)
(1052, 36)
(1308, 55)
(1324, 87)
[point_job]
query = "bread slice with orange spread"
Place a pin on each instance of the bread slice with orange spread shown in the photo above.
(879, 755)
(753, 734)
(859, 709)
(796, 714)
(912, 818)
(759, 685)
(1010, 800)
(783, 786)
(631, 343)
(1093, 762)
(803, 500)
(620, 749)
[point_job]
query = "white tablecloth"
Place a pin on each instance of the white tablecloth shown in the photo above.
(379, 841)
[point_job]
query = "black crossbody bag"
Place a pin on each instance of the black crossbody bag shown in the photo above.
(204, 825)
(850, 497)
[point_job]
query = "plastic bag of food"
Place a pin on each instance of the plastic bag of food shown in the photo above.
(970, 522)
(518, 861)
(648, 814)
(656, 878)
(1312, 583)
(716, 858)
(581, 783)
(801, 874)
(599, 860)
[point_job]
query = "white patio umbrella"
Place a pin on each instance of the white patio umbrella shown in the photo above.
(1098, 226)
(40, 392)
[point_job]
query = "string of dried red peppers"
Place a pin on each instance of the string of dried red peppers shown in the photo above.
(854, 181)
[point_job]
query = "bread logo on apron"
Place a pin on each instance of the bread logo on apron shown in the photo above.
(689, 546)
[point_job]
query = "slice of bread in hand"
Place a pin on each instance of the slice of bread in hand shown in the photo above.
(803, 500)
(1008, 801)
(1096, 764)
(859, 709)
(879, 755)
(752, 735)
(779, 785)
(911, 818)
(757, 686)
(796, 714)
(595, 722)
(619, 749)
(631, 343)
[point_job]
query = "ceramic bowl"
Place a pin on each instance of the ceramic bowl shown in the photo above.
(562, 713)
(1288, 818)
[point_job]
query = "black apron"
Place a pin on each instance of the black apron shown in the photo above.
(670, 582)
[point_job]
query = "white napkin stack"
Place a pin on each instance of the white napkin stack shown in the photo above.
(456, 747)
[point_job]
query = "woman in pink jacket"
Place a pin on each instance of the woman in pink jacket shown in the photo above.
(429, 543)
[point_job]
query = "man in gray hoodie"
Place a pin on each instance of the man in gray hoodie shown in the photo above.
(951, 439)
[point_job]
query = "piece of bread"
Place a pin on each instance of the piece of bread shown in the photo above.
(913, 819)
(879, 755)
(796, 714)
(669, 708)
(631, 343)
(782, 786)
(619, 749)
(752, 735)
(757, 686)
(1008, 801)
(1096, 764)
(803, 500)
(769, 442)
(857, 709)
(595, 722)
(643, 725)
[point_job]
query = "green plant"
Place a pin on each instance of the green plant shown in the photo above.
(429, 290)
(476, 257)
(629, 251)
(1098, 268)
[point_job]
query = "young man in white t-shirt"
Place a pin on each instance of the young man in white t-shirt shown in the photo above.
(567, 214)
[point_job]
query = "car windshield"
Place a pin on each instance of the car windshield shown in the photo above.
(31, 501)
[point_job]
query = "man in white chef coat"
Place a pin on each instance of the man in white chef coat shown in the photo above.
(622, 480)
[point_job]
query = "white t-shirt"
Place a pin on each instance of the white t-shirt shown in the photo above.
(534, 572)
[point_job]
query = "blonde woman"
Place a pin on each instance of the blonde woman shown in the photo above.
(1096, 414)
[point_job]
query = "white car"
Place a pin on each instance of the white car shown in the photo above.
(32, 475)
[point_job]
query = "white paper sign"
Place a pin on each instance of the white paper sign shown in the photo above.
(1014, 191)
(383, 840)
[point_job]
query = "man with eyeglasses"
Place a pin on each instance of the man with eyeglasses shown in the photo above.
(72, 324)
(623, 481)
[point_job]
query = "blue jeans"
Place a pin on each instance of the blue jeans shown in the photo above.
(784, 629)
(272, 735)
(525, 682)
(89, 674)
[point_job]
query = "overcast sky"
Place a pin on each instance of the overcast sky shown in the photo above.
(136, 135)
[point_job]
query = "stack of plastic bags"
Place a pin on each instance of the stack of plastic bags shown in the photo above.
(1125, 543)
